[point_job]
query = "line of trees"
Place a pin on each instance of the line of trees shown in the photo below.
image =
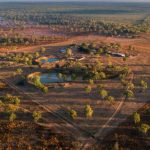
(17, 39)
(78, 24)
(24, 58)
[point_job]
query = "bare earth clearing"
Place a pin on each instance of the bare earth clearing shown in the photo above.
(58, 100)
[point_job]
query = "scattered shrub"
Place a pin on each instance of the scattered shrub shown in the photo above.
(144, 128)
(103, 93)
(128, 94)
(136, 117)
(143, 85)
(88, 111)
(36, 116)
(111, 99)
(12, 117)
(88, 89)
(73, 114)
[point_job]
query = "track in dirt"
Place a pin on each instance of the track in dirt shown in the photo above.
(91, 138)
(78, 132)
(99, 133)
(86, 136)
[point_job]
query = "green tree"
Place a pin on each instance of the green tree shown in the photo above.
(91, 82)
(102, 75)
(36, 116)
(88, 89)
(100, 51)
(43, 49)
(111, 99)
(100, 86)
(136, 117)
(144, 128)
(131, 48)
(37, 54)
(73, 77)
(69, 52)
(73, 113)
(88, 111)
(143, 85)
(19, 71)
(130, 86)
(44, 89)
(12, 117)
(103, 93)
(128, 94)
(29, 62)
(38, 84)
(16, 100)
